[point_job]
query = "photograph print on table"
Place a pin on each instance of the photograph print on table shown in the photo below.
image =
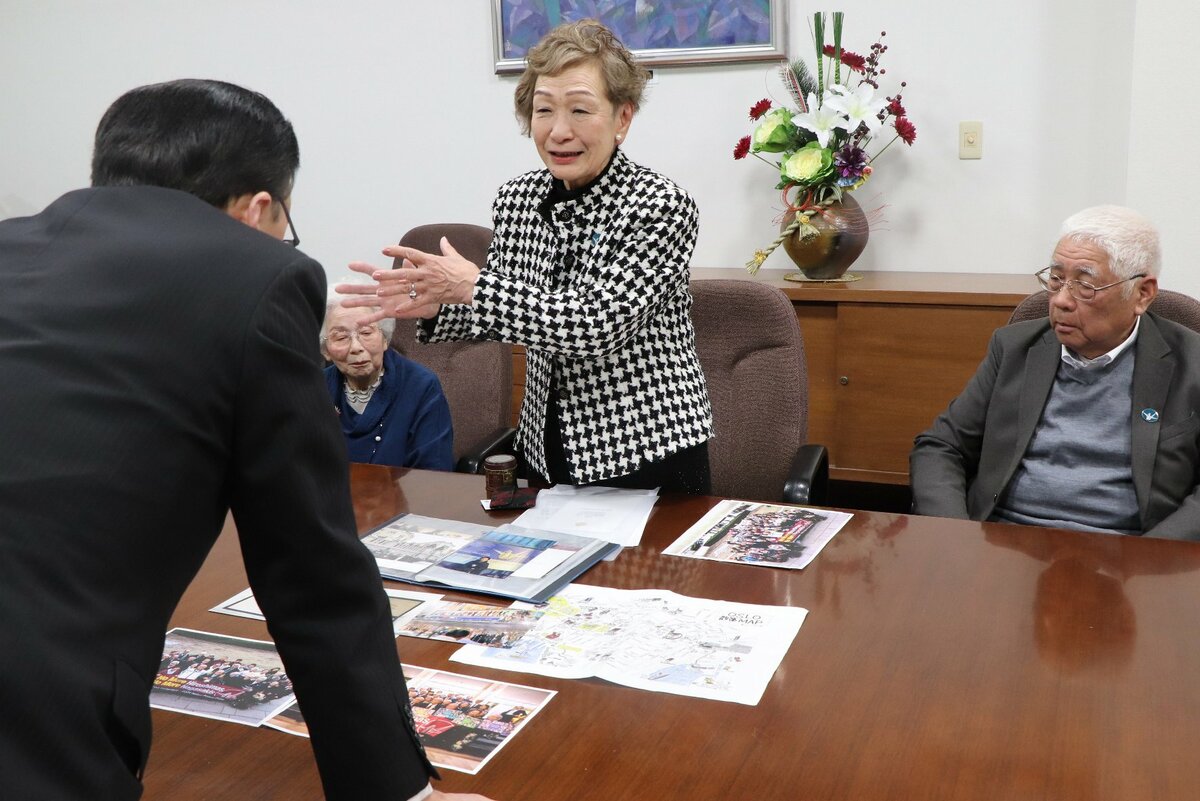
(493, 626)
(760, 534)
(222, 677)
(461, 720)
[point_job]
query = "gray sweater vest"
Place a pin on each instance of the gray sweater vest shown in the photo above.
(1077, 472)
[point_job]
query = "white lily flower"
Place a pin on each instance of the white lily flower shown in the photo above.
(821, 121)
(858, 104)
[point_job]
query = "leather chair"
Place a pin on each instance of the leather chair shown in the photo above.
(476, 376)
(1168, 304)
(752, 353)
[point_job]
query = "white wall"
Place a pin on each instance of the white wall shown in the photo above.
(401, 120)
(1163, 163)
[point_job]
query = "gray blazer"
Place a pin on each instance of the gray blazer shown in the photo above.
(962, 464)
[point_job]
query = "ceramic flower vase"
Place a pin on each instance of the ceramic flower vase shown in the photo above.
(842, 232)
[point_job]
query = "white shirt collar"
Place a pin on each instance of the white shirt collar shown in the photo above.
(1075, 360)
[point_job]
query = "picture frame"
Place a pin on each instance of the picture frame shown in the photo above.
(667, 33)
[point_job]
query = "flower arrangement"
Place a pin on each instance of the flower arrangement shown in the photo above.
(822, 145)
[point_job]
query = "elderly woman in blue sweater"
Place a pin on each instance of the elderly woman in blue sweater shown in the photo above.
(392, 409)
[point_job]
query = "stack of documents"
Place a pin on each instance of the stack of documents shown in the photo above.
(603, 513)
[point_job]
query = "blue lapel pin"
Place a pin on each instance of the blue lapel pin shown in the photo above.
(1150, 415)
(595, 237)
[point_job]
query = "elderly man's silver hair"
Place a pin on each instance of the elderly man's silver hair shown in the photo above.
(1128, 239)
(386, 325)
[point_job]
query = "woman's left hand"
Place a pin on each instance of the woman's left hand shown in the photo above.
(419, 287)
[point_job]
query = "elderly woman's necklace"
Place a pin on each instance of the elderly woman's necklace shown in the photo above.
(359, 398)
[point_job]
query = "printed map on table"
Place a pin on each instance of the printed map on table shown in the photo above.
(652, 640)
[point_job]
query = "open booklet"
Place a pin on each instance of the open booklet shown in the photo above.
(508, 561)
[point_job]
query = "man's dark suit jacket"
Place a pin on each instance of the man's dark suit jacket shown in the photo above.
(159, 367)
(961, 466)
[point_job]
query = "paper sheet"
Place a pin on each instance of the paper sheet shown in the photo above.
(605, 513)
(652, 640)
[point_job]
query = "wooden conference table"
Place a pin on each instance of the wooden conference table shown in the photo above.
(940, 660)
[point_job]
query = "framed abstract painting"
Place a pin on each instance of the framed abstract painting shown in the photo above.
(659, 32)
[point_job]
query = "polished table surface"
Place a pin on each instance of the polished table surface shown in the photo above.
(940, 660)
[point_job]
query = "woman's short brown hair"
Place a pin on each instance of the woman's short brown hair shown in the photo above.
(574, 43)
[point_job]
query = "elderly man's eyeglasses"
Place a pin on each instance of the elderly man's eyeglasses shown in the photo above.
(294, 239)
(1080, 290)
(341, 337)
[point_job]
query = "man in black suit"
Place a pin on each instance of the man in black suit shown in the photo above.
(159, 351)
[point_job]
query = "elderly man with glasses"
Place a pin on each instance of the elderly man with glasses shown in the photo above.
(1086, 419)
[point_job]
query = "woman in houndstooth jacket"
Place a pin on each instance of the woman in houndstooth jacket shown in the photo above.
(588, 269)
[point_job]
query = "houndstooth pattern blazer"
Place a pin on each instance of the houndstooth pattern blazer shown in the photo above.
(596, 289)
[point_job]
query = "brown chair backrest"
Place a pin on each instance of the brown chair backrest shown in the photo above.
(1170, 305)
(752, 353)
(1033, 307)
(476, 376)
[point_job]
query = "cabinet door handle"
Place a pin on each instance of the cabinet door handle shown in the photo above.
(844, 380)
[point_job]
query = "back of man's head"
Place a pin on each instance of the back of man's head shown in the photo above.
(215, 140)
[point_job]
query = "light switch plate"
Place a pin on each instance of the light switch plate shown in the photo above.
(970, 140)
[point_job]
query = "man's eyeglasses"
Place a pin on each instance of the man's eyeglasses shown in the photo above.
(294, 239)
(1080, 290)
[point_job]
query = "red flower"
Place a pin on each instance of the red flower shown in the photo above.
(852, 60)
(896, 109)
(905, 130)
(759, 108)
(742, 148)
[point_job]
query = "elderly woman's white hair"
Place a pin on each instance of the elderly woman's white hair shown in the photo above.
(334, 300)
(1128, 239)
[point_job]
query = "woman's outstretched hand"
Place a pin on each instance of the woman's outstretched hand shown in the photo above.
(416, 289)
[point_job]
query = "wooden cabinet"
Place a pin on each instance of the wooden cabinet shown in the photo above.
(886, 354)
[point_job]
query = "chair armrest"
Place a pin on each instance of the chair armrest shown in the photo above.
(808, 479)
(499, 441)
